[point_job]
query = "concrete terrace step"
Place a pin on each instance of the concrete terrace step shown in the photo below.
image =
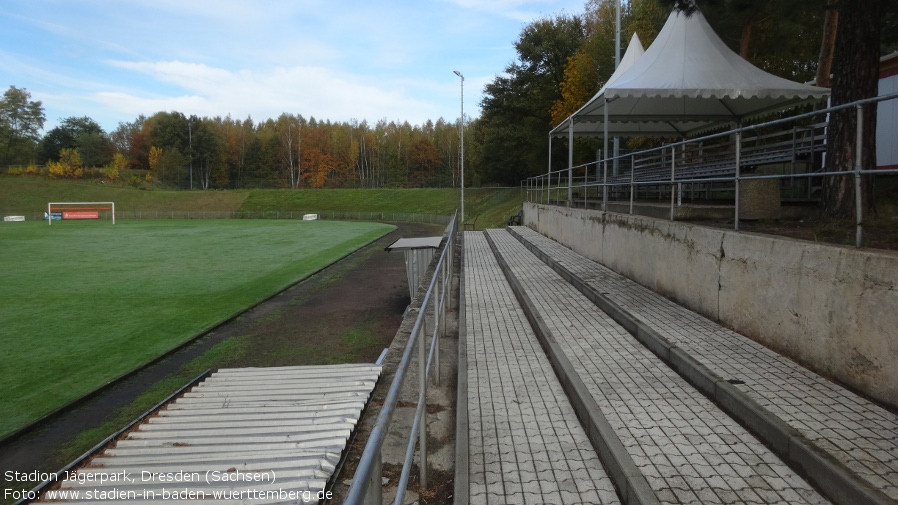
(525, 444)
(685, 447)
(846, 444)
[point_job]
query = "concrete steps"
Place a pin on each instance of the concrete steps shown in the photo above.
(683, 446)
(525, 444)
(669, 423)
(846, 444)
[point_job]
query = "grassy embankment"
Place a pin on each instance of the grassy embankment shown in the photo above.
(486, 207)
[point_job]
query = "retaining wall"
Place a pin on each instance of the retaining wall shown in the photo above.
(834, 309)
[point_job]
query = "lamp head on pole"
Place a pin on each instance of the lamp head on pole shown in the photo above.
(459, 74)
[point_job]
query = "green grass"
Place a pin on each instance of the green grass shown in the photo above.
(410, 201)
(209, 360)
(82, 303)
(27, 195)
(491, 207)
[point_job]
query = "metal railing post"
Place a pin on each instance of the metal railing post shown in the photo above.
(445, 295)
(374, 494)
(738, 174)
(632, 179)
(673, 166)
(858, 194)
(584, 184)
(366, 486)
(437, 326)
(422, 391)
(605, 178)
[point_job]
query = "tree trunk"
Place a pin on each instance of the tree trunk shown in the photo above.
(745, 40)
(855, 76)
(825, 61)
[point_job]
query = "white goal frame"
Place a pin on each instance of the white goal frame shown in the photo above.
(98, 206)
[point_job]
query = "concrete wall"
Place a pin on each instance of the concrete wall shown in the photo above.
(833, 309)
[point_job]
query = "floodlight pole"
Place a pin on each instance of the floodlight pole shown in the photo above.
(616, 34)
(616, 163)
(461, 129)
(190, 143)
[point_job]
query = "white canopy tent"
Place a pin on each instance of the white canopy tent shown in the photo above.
(583, 123)
(687, 81)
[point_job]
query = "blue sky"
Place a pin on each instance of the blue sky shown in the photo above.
(112, 60)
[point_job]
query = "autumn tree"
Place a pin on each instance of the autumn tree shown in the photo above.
(516, 105)
(167, 161)
(237, 136)
(446, 140)
(114, 170)
(21, 120)
(365, 161)
(290, 135)
(318, 163)
(155, 161)
(171, 131)
(345, 150)
(81, 133)
(594, 62)
(69, 165)
(130, 139)
(423, 159)
(262, 156)
(207, 151)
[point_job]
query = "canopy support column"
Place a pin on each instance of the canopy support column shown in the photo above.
(570, 162)
(605, 159)
(549, 174)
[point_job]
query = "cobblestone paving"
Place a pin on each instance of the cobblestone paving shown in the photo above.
(525, 442)
(856, 431)
(688, 449)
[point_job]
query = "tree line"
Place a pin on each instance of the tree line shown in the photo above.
(191, 152)
(560, 63)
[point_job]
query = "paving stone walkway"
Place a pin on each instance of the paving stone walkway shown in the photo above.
(687, 448)
(857, 432)
(526, 445)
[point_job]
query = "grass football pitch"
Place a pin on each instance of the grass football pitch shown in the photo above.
(82, 303)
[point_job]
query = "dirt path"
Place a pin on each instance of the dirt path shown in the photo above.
(348, 312)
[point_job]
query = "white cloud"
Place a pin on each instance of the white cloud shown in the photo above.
(332, 59)
(308, 90)
(524, 11)
(186, 75)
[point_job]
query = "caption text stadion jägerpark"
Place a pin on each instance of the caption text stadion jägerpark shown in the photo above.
(180, 480)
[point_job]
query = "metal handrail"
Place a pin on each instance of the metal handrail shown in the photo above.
(660, 176)
(366, 483)
(660, 150)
